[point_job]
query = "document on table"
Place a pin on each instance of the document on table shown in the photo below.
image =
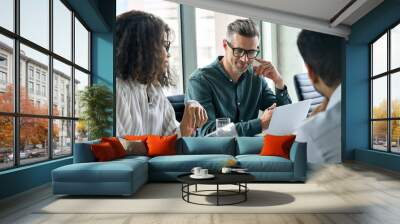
(287, 118)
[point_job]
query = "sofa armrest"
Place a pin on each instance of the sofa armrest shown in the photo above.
(298, 155)
(83, 152)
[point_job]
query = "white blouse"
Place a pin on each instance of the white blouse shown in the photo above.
(144, 109)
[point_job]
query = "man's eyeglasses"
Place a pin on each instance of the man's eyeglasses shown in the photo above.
(167, 45)
(239, 52)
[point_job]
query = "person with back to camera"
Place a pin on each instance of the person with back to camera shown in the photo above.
(322, 54)
(142, 44)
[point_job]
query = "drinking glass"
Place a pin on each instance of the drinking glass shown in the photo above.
(220, 123)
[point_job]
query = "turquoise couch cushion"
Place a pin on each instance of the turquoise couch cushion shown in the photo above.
(206, 145)
(249, 145)
(185, 163)
(257, 163)
(117, 177)
(111, 171)
(129, 159)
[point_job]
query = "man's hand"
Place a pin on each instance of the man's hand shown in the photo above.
(267, 69)
(194, 117)
(266, 117)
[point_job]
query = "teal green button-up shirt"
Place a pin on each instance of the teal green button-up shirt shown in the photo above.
(221, 97)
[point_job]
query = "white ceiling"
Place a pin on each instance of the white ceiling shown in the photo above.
(306, 14)
(320, 9)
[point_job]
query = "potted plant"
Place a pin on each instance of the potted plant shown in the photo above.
(96, 102)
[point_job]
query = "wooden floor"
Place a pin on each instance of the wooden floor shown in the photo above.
(378, 188)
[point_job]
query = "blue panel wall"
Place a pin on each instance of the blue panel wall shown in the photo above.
(99, 16)
(102, 63)
(102, 58)
(24, 178)
(380, 159)
(356, 85)
(356, 99)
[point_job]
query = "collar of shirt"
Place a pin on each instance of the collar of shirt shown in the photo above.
(150, 90)
(222, 70)
(335, 98)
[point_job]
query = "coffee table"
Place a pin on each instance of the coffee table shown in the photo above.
(238, 179)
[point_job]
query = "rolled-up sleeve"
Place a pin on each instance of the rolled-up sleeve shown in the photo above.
(198, 90)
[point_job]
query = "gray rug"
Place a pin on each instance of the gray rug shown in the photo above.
(166, 198)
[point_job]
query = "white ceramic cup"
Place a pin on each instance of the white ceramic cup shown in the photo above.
(196, 170)
(203, 172)
(226, 170)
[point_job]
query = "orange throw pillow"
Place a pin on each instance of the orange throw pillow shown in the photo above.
(161, 145)
(103, 152)
(116, 145)
(277, 145)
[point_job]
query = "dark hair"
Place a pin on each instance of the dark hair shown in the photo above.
(323, 54)
(243, 27)
(140, 39)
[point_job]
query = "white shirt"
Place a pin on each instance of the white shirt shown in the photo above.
(322, 133)
(144, 109)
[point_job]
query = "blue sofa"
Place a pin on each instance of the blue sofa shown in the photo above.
(125, 176)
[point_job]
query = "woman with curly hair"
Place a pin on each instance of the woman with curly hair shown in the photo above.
(142, 44)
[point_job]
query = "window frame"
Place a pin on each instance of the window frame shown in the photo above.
(16, 115)
(388, 74)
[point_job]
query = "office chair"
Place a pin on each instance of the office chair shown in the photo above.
(305, 90)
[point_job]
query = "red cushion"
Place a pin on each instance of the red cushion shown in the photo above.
(116, 145)
(103, 152)
(161, 145)
(277, 145)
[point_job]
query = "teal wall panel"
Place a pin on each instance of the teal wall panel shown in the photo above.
(103, 64)
(379, 159)
(102, 58)
(356, 100)
(24, 178)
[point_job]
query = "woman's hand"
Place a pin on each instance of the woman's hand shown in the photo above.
(194, 117)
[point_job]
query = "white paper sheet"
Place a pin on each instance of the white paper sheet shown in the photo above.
(287, 118)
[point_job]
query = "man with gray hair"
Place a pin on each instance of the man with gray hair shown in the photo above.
(234, 85)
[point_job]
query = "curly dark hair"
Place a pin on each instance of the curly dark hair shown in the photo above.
(140, 39)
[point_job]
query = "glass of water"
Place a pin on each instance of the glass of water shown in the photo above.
(220, 124)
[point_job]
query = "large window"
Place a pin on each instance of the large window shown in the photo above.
(169, 13)
(44, 64)
(385, 94)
